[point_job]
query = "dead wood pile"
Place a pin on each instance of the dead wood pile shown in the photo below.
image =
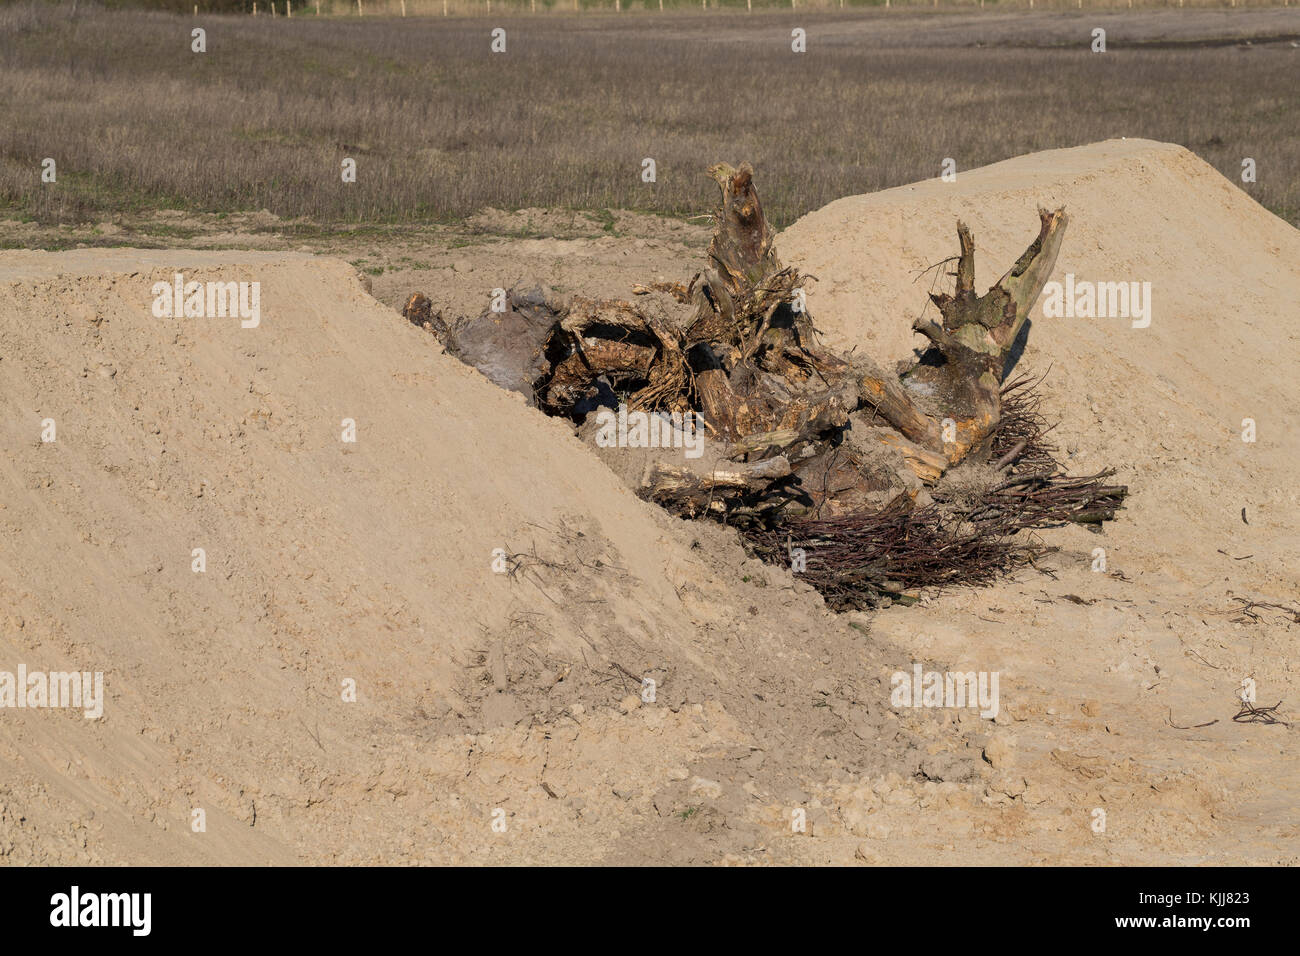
(870, 484)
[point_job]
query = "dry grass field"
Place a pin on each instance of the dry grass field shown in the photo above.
(440, 126)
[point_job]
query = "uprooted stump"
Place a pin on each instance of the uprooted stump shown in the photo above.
(869, 484)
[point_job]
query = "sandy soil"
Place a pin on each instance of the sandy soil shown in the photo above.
(476, 691)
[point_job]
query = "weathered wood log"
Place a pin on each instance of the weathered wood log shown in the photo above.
(678, 290)
(888, 399)
(926, 464)
(728, 414)
(573, 376)
(747, 301)
(683, 490)
(976, 334)
(743, 244)
(615, 341)
(759, 442)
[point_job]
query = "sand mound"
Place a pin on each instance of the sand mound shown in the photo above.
(326, 561)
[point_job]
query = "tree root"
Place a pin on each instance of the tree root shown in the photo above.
(888, 483)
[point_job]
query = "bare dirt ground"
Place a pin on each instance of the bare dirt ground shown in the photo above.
(480, 691)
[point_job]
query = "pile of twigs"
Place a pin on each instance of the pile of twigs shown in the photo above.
(1021, 432)
(863, 560)
(1038, 493)
(1032, 501)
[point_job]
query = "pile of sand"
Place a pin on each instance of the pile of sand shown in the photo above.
(329, 562)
